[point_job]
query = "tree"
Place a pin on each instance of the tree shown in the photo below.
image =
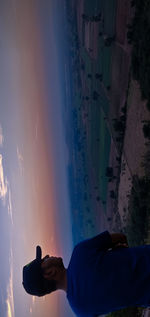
(118, 159)
(109, 172)
(112, 194)
(146, 130)
(95, 95)
(99, 76)
(109, 219)
(118, 125)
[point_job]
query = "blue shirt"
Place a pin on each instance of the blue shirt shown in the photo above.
(101, 280)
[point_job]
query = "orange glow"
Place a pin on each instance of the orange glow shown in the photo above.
(35, 158)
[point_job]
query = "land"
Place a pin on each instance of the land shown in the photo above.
(135, 143)
(133, 212)
(122, 82)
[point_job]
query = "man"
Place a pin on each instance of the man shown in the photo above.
(103, 275)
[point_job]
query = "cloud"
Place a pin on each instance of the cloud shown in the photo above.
(32, 304)
(10, 206)
(9, 311)
(4, 187)
(1, 136)
(33, 299)
(36, 126)
(31, 310)
(52, 239)
(3, 182)
(10, 295)
(20, 160)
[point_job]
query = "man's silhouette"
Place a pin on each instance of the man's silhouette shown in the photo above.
(103, 275)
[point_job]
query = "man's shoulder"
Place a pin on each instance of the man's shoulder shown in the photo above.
(78, 251)
(101, 241)
(78, 246)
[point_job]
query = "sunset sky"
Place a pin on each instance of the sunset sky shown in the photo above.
(34, 202)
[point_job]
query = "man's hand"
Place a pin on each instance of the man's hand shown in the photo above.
(120, 245)
(119, 240)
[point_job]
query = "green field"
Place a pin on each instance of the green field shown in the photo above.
(98, 109)
(90, 137)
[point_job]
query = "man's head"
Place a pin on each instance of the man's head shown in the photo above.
(43, 276)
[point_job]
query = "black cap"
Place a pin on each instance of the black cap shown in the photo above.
(33, 280)
(38, 253)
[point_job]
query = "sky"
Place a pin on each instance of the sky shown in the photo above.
(34, 201)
